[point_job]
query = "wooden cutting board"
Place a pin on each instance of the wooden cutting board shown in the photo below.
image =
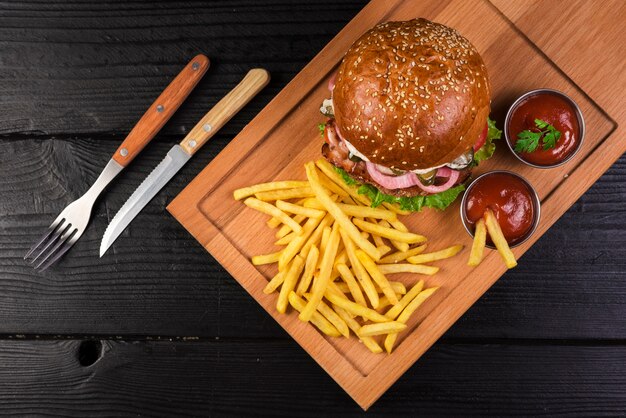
(276, 144)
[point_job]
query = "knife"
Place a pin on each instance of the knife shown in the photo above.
(179, 154)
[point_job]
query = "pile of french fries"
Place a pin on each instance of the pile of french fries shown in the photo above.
(336, 256)
(489, 223)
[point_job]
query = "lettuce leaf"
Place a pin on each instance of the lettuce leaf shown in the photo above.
(486, 151)
(439, 201)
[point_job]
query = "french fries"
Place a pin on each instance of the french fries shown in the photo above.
(392, 234)
(495, 232)
(258, 260)
(390, 340)
(437, 255)
(266, 187)
(336, 253)
(392, 327)
(321, 282)
(478, 246)
(340, 217)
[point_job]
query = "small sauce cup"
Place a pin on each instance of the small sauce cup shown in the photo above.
(512, 199)
(555, 108)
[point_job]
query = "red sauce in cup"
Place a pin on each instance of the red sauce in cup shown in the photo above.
(509, 198)
(558, 112)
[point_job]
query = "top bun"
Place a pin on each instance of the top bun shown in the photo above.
(411, 95)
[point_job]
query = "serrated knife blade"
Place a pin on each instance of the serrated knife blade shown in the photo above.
(159, 177)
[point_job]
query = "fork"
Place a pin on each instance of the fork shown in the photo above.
(68, 227)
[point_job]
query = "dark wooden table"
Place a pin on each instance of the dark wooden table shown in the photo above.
(163, 329)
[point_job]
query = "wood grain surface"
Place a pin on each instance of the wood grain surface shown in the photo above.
(282, 138)
(547, 338)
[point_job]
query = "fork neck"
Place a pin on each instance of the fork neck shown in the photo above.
(109, 172)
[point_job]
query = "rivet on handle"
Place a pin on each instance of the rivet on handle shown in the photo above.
(195, 66)
(160, 108)
(192, 143)
(207, 127)
(123, 152)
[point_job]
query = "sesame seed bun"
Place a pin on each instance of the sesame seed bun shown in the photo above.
(411, 95)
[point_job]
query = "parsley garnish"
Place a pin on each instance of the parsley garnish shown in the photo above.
(528, 141)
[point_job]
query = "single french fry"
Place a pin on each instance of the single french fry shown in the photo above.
(309, 268)
(285, 194)
(434, 256)
(317, 318)
(321, 281)
(377, 276)
(353, 286)
(353, 307)
(378, 240)
(343, 287)
(395, 310)
(495, 232)
(478, 245)
(359, 271)
(328, 169)
(274, 222)
(284, 230)
(332, 186)
(286, 239)
(342, 257)
(366, 212)
(400, 246)
(369, 342)
(264, 187)
(407, 268)
(336, 213)
(272, 210)
(331, 315)
(325, 238)
(299, 210)
(401, 256)
(291, 277)
(391, 233)
(258, 260)
(371, 330)
(384, 249)
(273, 284)
(383, 303)
(298, 242)
(406, 314)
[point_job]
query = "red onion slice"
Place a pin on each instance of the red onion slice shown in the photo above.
(453, 176)
(391, 182)
(410, 179)
(331, 82)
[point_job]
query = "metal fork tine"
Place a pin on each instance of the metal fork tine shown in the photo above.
(62, 251)
(51, 229)
(68, 232)
(61, 229)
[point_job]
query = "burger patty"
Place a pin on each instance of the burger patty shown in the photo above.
(339, 156)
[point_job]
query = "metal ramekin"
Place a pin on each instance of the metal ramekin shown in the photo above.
(533, 194)
(579, 116)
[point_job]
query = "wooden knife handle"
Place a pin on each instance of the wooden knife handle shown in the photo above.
(161, 110)
(225, 109)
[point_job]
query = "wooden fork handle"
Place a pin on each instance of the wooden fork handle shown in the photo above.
(225, 109)
(161, 110)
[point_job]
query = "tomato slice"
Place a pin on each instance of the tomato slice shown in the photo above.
(482, 138)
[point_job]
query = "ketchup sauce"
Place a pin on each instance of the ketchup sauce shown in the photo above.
(510, 199)
(559, 112)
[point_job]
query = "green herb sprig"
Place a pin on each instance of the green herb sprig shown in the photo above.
(528, 141)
